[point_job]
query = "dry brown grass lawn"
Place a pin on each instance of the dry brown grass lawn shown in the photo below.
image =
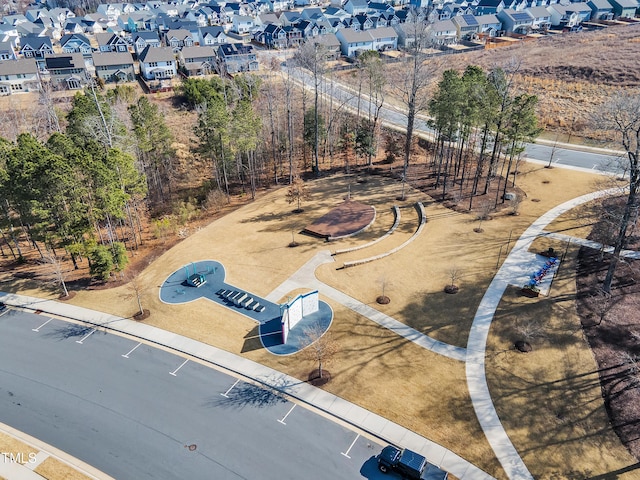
(54, 469)
(378, 370)
(11, 445)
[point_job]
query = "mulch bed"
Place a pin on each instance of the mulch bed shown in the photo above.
(612, 327)
(347, 218)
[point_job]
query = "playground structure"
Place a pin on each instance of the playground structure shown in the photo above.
(194, 279)
(295, 310)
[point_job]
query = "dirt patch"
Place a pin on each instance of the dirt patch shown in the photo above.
(611, 323)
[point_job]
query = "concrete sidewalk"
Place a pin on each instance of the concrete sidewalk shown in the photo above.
(335, 406)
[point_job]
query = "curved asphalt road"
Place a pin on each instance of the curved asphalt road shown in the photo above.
(392, 117)
(133, 414)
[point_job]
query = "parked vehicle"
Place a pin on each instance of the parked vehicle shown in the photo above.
(409, 464)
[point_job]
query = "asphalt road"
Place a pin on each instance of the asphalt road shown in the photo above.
(390, 116)
(132, 411)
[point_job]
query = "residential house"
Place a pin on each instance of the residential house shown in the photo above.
(336, 12)
(582, 9)
(199, 60)
(141, 40)
(111, 42)
(384, 38)
(443, 32)
(624, 8)
(212, 35)
(278, 5)
(73, 25)
(6, 51)
(290, 18)
(353, 42)
(566, 16)
(516, 22)
(177, 39)
(356, 7)
(242, 24)
(236, 58)
(157, 63)
(489, 7)
(294, 35)
(312, 14)
(363, 21)
(601, 10)
(111, 11)
(330, 44)
(34, 46)
(273, 36)
(466, 26)
(67, 70)
(75, 43)
(18, 76)
(541, 19)
(380, 7)
(114, 67)
(489, 25)
(9, 33)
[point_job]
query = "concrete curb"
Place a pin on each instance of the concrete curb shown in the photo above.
(337, 407)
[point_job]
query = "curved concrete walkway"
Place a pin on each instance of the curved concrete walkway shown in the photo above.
(512, 272)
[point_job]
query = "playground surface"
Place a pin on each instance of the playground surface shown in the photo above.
(177, 289)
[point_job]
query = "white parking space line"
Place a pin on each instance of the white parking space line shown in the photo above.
(346, 454)
(93, 330)
(226, 394)
(38, 329)
(176, 370)
(126, 355)
(285, 417)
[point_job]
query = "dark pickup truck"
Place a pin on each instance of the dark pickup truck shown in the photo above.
(409, 464)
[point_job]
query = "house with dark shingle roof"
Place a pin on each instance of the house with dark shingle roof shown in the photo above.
(141, 40)
(76, 43)
(236, 58)
(67, 70)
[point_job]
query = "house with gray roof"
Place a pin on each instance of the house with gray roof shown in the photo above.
(541, 19)
(6, 51)
(114, 67)
(516, 22)
(601, 10)
(157, 63)
(19, 76)
(198, 60)
(625, 8)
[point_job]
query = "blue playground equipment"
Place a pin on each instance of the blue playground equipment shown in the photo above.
(194, 279)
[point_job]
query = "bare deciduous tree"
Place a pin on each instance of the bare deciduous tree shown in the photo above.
(413, 77)
(622, 115)
(57, 271)
(297, 192)
(322, 347)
